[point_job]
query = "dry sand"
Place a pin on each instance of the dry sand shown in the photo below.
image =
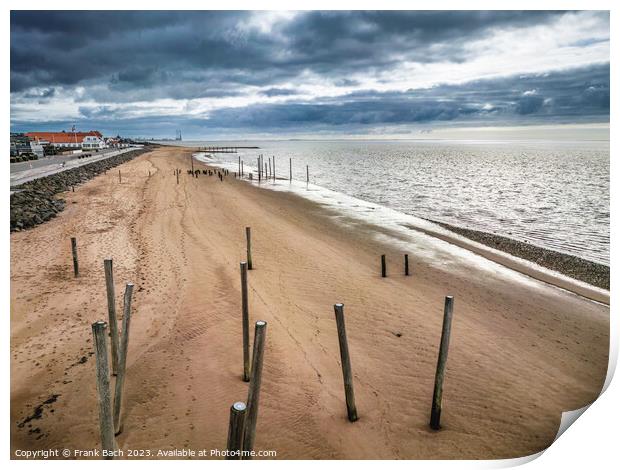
(520, 352)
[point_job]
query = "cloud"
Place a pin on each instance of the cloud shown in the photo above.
(282, 70)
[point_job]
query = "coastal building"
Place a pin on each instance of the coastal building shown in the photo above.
(22, 144)
(70, 140)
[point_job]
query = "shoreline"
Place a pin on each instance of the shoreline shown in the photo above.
(521, 352)
(582, 277)
(590, 272)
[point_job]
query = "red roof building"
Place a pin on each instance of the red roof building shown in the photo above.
(63, 139)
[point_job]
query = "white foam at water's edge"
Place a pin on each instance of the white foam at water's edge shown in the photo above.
(407, 232)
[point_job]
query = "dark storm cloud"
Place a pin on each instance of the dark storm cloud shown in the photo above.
(575, 95)
(143, 48)
(121, 58)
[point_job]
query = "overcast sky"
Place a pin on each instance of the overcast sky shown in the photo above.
(307, 74)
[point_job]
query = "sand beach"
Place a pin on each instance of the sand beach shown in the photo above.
(521, 352)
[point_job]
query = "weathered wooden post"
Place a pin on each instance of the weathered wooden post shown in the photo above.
(290, 169)
(235, 430)
(441, 362)
(191, 159)
(269, 167)
(242, 172)
(106, 423)
(383, 267)
(76, 270)
(406, 265)
(239, 165)
(346, 362)
(307, 176)
(122, 360)
(109, 284)
(177, 176)
(245, 321)
(119, 176)
(248, 242)
(249, 428)
(259, 170)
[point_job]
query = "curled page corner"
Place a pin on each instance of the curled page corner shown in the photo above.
(568, 418)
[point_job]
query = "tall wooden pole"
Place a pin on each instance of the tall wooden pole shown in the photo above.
(248, 243)
(122, 360)
(106, 423)
(346, 363)
(290, 169)
(383, 267)
(76, 270)
(441, 362)
(249, 432)
(109, 284)
(245, 321)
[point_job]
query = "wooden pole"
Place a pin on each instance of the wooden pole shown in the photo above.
(245, 321)
(248, 240)
(106, 424)
(235, 431)
(76, 270)
(274, 168)
(383, 267)
(242, 169)
(406, 265)
(239, 165)
(307, 175)
(177, 176)
(109, 284)
(290, 169)
(191, 159)
(249, 428)
(441, 362)
(346, 363)
(122, 360)
(119, 176)
(259, 169)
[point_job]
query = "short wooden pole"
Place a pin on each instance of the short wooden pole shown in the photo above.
(177, 176)
(239, 166)
(245, 321)
(76, 270)
(235, 430)
(259, 170)
(346, 363)
(119, 176)
(307, 175)
(274, 168)
(106, 424)
(242, 171)
(122, 360)
(406, 265)
(290, 169)
(383, 267)
(269, 168)
(441, 362)
(249, 428)
(248, 241)
(109, 284)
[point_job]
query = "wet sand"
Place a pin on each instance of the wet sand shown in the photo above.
(521, 351)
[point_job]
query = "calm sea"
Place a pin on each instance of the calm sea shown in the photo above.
(551, 194)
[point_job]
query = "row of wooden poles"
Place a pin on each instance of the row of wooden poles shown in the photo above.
(110, 407)
(243, 415)
(237, 410)
(266, 171)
